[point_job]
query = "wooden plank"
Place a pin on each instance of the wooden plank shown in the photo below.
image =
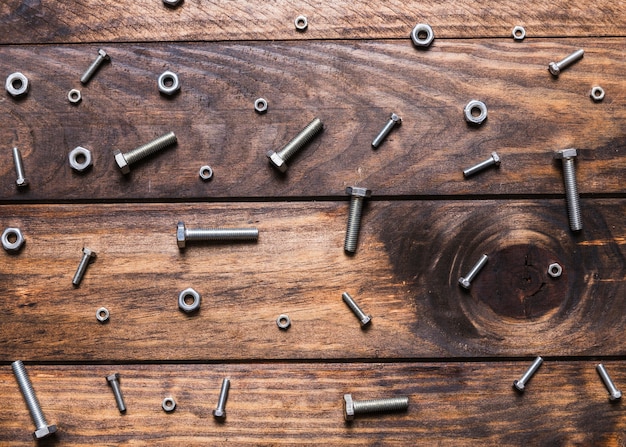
(289, 404)
(352, 86)
(150, 20)
(405, 272)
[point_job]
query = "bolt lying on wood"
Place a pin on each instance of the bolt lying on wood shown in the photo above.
(278, 159)
(102, 56)
(21, 181)
(393, 120)
(220, 411)
(184, 235)
(556, 67)
(571, 190)
(614, 393)
(114, 381)
(358, 196)
(125, 160)
(88, 256)
(467, 280)
(520, 384)
(494, 160)
(363, 318)
(351, 407)
(43, 429)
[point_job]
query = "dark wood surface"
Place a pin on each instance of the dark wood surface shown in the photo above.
(455, 353)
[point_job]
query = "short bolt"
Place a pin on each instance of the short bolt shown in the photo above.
(184, 235)
(351, 407)
(19, 169)
(220, 411)
(363, 318)
(494, 160)
(467, 280)
(88, 256)
(125, 160)
(393, 120)
(43, 429)
(114, 381)
(614, 393)
(571, 190)
(520, 384)
(358, 195)
(556, 67)
(278, 159)
(102, 56)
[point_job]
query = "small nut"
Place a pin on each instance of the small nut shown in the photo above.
(74, 96)
(519, 33)
(168, 83)
(16, 84)
(260, 105)
(182, 300)
(555, 270)
(283, 321)
(80, 159)
(301, 23)
(102, 315)
(12, 240)
(472, 106)
(206, 173)
(168, 404)
(422, 35)
(597, 93)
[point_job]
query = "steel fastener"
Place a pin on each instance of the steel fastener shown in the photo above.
(393, 120)
(469, 109)
(12, 239)
(518, 33)
(125, 160)
(363, 318)
(494, 160)
(21, 181)
(520, 384)
(16, 84)
(283, 321)
(597, 93)
(113, 380)
(571, 190)
(168, 404)
(43, 429)
(220, 411)
(278, 159)
(206, 173)
(358, 196)
(80, 159)
(260, 105)
(102, 56)
(555, 270)
(191, 306)
(422, 35)
(301, 23)
(614, 393)
(88, 257)
(466, 281)
(74, 96)
(556, 67)
(351, 407)
(168, 83)
(184, 235)
(102, 315)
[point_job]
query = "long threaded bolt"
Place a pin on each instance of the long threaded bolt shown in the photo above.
(278, 159)
(614, 393)
(363, 318)
(102, 56)
(467, 280)
(520, 384)
(494, 160)
(88, 256)
(220, 411)
(43, 429)
(358, 196)
(393, 120)
(184, 235)
(19, 169)
(556, 67)
(125, 160)
(571, 190)
(114, 381)
(352, 407)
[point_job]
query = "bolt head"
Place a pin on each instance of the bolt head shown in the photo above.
(104, 54)
(89, 252)
(348, 407)
(113, 377)
(219, 414)
(464, 282)
(496, 158)
(277, 162)
(21, 182)
(565, 153)
(395, 118)
(518, 386)
(180, 235)
(355, 191)
(554, 69)
(366, 320)
(121, 162)
(45, 432)
(615, 396)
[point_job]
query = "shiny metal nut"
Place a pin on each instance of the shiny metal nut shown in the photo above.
(168, 83)
(422, 35)
(283, 321)
(182, 300)
(80, 159)
(15, 235)
(168, 404)
(555, 270)
(102, 315)
(16, 84)
(206, 173)
(597, 93)
(519, 33)
(301, 23)
(74, 96)
(471, 106)
(260, 105)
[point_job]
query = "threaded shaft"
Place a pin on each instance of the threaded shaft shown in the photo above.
(92, 69)
(355, 308)
(150, 148)
(29, 394)
(19, 165)
(80, 271)
(312, 129)
(479, 167)
(571, 58)
(383, 133)
(477, 268)
(354, 224)
(381, 405)
(221, 403)
(222, 234)
(610, 386)
(571, 194)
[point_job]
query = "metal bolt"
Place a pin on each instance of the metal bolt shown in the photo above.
(354, 216)
(220, 411)
(102, 56)
(43, 429)
(364, 319)
(571, 190)
(494, 160)
(393, 120)
(19, 169)
(183, 235)
(614, 393)
(352, 407)
(278, 159)
(88, 256)
(113, 380)
(556, 67)
(521, 383)
(125, 160)
(466, 281)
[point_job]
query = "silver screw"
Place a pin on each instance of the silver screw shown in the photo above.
(393, 120)
(278, 159)
(466, 281)
(113, 380)
(364, 319)
(88, 256)
(556, 67)
(494, 160)
(43, 429)
(220, 411)
(125, 160)
(571, 190)
(19, 168)
(183, 235)
(354, 216)
(520, 384)
(352, 407)
(102, 56)
(614, 393)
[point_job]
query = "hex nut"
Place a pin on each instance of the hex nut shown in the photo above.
(283, 321)
(168, 83)
(519, 33)
(182, 300)
(597, 93)
(422, 35)
(16, 84)
(102, 315)
(474, 104)
(76, 155)
(260, 105)
(555, 270)
(168, 404)
(301, 23)
(74, 96)
(12, 233)
(206, 173)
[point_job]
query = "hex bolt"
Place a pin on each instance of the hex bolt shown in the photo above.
(220, 412)
(102, 56)
(114, 381)
(363, 318)
(19, 169)
(351, 407)
(571, 190)
(520, 384)
(125, 160)
(556, 67)
(278, 159)
(393, 120)
(358, 196)
(467, 280)
(88, 257)
(184, 235)
(43, 429)
(614, 393)
(494, 160)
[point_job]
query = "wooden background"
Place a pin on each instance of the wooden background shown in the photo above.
(455, 353)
